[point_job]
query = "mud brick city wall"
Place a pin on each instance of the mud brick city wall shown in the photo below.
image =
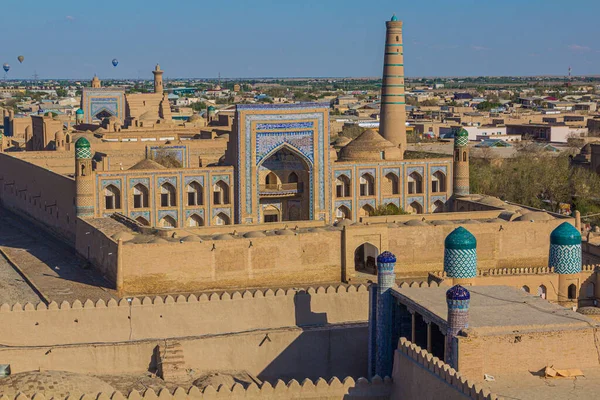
(39, 195)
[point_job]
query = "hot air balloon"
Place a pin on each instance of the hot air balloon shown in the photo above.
(6, 67)
(20, 58)
(115, 62)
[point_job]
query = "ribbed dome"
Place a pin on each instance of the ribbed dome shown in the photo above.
(370, 146)
(460, 239)
(82, 143)
(565, 234)
(458, 293)
(386, 258)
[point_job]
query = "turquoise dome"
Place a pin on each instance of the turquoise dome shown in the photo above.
(394, 18)
(211, 108)
(462, 133)
(460, 239)
(565, 234)
(82, 143)
(79, 111)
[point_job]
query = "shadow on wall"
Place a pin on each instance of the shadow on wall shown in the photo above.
(320, 350)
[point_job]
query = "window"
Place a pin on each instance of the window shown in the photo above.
(572, 292)
(167, 195)
(342, 212)
(415, 183)
(293, 178)
(525, 289)
(168, 222)
(542, 291)
(366, 211)
(438, 206)
(221, 219)
(464, 156)
(140, 196)
(271, 179)
(143, 221)
(417, 207)
(195, 220)
(438, 182)
(457, 155)
(112, 197)
(367, 185)
(342, 186)
(195, 194)
(392, 181)
(221, 193)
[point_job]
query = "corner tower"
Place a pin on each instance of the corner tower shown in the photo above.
(158, 80)
(565, 257)
(393, 105)
(461, 164)
(84, 180)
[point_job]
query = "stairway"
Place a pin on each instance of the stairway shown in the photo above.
(171, 362)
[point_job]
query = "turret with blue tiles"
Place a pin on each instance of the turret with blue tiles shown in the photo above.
(565, 257)
(460, 256)
(458, 299)
(381, 348)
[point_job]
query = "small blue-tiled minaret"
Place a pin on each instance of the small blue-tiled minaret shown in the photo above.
(460, 255)
(565, 249)
(458, 299)
(383, 346)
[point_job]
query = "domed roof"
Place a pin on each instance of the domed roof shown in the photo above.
(211, 108)
(460, 239)
(191, 238)
(535, 216)
(147, 164)
(565, 234)
(394, 18)
(284, 232)
(82, 143)
(52, 384)
(79, 111)
(386, 258)
(125, 236)
(254, 234)
(463, 133)
(224, 236)
(458, 292)
(369, 146)
(341, 141)
(344, 222)
(416, 222)
(159, 240)
(59, 135)
(442, 222)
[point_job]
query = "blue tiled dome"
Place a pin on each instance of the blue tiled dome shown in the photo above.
(394, 18)
(460, 239)
(79, 111)
(386, 258)
(565, 234)
(458, 292)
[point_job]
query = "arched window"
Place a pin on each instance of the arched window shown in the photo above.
(168, 222)
(143, 221)
(342, 212)
(367, 185)
(168, 196)
(112, 198)
(464, 156)
(221, 193)
(271, 179)
(438, 206)
(572, 291)
(525, 288)
(82, 170)
(392, 183)
(415, 183)
(221, 219)
(457, 155)
(366, 211)
(293, 178)
(195, 194)
(542, 291)
(195, 220)
(140, 196)
(417, 207)
(438, 182)
(590, 290)
(342, 186)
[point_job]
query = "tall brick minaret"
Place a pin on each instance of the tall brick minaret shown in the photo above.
(392, 125)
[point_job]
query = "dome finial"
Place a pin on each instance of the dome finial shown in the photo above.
(394, 18)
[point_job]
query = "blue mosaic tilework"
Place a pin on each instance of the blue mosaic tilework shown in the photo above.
(302, 141)
(190, 179)
(170, 213)
(177, 152)
(460, 263)
(370, 202)
(347, 203)
(347, 172)
(217, 178)
(295, 106)
(199, 212)
(437, 168)
(223, 210)
(395, 171)
(285, 125)
(143, 214)
(419, 170)
(566, 259)
(83, 152)
(371, 171)
(143, 181)
(395, 202)
(418, 199)
(170, 179)
(436, 198)
(114, 182)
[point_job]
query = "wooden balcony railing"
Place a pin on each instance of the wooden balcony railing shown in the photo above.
(280, 188)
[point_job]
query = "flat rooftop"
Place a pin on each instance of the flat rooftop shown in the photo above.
(496, 310)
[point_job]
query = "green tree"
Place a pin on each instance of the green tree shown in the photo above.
(389, 209)
(61, 92)
(198, 106)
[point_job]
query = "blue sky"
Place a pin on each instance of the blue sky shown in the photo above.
(243, 38)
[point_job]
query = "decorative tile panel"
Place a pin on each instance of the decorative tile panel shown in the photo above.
(460, 263)
(347, 203)
(199, 212)
(419, 170)
(170, 213)
(167, 179)
(106, 182)
(437, 168)
(217, 178)
(267, 143)
(566, 259)
(190, 179)
(143, 181)
(226, 211)
(288, 125)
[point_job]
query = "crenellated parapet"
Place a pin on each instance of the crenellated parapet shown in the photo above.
(440, 370)
(376, 389)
